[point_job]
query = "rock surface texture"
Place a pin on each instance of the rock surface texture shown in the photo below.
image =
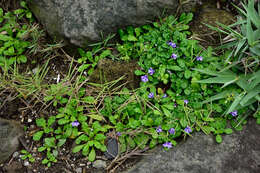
(238, 153)
(81, 21)
(10, 131)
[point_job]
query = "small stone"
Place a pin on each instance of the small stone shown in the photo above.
(82, 164)
(16, 154)
(29, 120)
(26, 163)
(99, 164)
(79, 170)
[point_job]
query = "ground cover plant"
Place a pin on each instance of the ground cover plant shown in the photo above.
(177, 94)
(167, 105)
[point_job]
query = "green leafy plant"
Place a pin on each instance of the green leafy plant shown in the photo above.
(245, 51)
(244, 35)
(12, 41)
(26, 155)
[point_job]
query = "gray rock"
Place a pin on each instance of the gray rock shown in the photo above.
(81, 21)
(238, 153)
(10, 131)
(99, 164)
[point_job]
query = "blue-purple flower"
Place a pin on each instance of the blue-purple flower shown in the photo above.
(171, 131)
(150, 95)
(159, 129)
(174, 56)
(175, 105)
(118, 134)
(75, 123)
(234, 113)
(186, 102)
(173, 45)
(188, 129)
(144, 78)
(199, 58)
(167, 145)
(165, 95)
(151, 71)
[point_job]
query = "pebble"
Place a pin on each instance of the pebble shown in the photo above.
(26, 163)
(29, 120)
(15, 154)
(79, 170)
(82, 164)
(99, 164)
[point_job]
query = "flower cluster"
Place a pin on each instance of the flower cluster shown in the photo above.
(188, 129)
(75, 123)
(151, 95)
(234, 113)
(167, 145)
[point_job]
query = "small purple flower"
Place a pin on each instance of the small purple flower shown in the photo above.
(167, 145)
(186, 101)
(165, 95)
(159, 129)
(118, 134)
(188, 129)
(173, 45)
(75, 123)
(174, 56)
(151, 95)
(199, 58)
(144, 78)
(175, 105)
(151, 71)
(171, 131)
(234, 113)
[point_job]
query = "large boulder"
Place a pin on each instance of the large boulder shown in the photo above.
(10, 131)
(238, 153)
(80, 22)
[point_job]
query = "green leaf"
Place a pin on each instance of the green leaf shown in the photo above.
(47, 98)
(85, 150)
(131, 38)
(22, 58)
(68, 132)
(45, 161)
(105, 53)
(222, 79)
(228, 131)
(5, 37)
(37, 136)
(92, 155)
(61, 142)
(51, 120)
(235, 103)
(218, 139)
(77, 148)
(100, 137)
(95, 117)
(187, 74)
(250, 95)
(40, 122)
(50, 142)
(89, 100)
(139, 72)
(175, 68)
(166, 112)
(258, 121)
(63, 121)
(40, 149)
